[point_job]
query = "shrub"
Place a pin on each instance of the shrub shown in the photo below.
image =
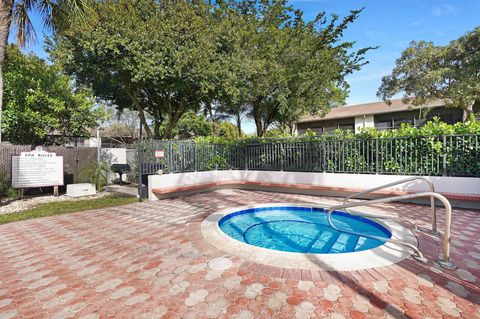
(6, 191)
(96, 173)
(3, 185)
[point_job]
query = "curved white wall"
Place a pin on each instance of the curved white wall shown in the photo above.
(453, 185)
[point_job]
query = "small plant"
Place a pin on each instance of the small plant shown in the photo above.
(6, 191)
(12, 193)
(3, 187)
(96, 173)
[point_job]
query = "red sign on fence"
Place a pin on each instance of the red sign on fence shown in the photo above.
(159, 153)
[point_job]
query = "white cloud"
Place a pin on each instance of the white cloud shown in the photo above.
(443, 10)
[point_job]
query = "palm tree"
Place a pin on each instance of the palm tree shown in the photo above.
(56, 15)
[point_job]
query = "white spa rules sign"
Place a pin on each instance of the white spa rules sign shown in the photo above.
(37, 169)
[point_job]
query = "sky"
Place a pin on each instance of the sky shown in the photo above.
(392, 25)
(389, 24)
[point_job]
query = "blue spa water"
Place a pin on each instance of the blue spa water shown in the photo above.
(301, 230)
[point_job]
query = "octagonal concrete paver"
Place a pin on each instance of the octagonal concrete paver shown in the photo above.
(149, 260)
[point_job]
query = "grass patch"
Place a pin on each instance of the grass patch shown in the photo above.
(63, 207)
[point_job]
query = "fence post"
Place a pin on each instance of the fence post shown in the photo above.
(324, 156)
(444, 155)
(194, 150)
(170, 157)
(99, 146)
(245, 156)
(281, 156)
(376, 156)
(140, 169)
(215, 148)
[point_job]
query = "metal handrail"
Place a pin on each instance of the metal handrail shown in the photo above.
(432, 200)
(444, 262)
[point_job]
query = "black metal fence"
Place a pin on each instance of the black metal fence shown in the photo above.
(448, 155)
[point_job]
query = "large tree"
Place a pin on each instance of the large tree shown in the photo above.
(167, 57)
(426, 72)
(55, 14)
(43, 104)
(283, 66)
(122, 127)
(192, 125)
(156, 57)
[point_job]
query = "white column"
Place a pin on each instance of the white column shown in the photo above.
(363, 121)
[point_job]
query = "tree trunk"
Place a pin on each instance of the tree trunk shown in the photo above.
(6, 7)
(172, 122)
(169, 128)
(156, 130)
(259, 126)
(141, 113)
(467, 111)
(239, 123)
(157, 124)
(291, 128)
(175, 113)
(143, 121)
(257, 117)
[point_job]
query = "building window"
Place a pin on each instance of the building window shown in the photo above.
(346, 127)
(318, 130)
(447, 118)
(383, 125)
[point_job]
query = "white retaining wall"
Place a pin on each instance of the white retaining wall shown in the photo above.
(456, 185)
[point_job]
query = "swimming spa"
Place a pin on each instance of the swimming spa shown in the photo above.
(302, 230)
(298, 236)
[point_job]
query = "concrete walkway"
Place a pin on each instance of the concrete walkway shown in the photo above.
(129, 189)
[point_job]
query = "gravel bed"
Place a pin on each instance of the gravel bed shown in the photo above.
(32, 202)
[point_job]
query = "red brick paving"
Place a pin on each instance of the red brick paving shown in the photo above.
(149, 260)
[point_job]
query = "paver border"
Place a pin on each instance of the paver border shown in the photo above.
(383, 255)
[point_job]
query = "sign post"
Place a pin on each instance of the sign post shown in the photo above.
(37, 168)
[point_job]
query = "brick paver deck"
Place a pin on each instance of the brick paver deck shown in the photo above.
(149, 260)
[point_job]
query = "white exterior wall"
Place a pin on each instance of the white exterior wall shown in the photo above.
(114, 156)
(364, 121)
(456, 185)
(90, 142)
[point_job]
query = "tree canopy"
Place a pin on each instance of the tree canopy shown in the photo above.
(155, 58)
(426, 72)
(55, 16)
(289, 67)
(41, 103)
(193, 125)
(166, 58)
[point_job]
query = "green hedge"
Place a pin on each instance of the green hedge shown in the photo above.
(434, 149)
(431, 128)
